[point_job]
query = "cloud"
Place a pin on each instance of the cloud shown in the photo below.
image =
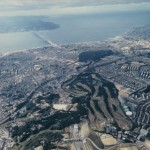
(69, 2)
(63, 7)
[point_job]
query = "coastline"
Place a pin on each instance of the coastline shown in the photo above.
(2, 54)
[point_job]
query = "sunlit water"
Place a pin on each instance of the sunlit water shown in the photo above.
(76, 28)
(10, 42)
(88, 28)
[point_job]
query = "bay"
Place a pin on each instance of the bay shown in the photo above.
(76, 29)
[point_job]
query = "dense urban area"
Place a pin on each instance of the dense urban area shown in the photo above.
(85, 96)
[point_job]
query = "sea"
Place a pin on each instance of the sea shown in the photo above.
(76, 29)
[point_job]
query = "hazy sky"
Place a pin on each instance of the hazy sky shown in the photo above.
(63, 7)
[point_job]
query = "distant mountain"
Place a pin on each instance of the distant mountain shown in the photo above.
(25, 23)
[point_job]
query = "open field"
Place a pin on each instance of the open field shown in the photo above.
(147, 143)
(122, 91)
(108, 139)
(129, 148)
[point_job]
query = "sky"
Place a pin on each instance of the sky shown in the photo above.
(64, 7)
